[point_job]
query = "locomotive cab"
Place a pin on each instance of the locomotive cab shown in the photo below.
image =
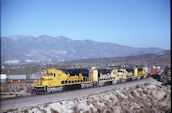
(50, 78)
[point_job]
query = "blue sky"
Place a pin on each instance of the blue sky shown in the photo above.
(136, 23)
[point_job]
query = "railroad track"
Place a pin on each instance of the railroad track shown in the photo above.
(32, 100)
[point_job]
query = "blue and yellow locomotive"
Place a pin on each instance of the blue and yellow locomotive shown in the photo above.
(58, 80)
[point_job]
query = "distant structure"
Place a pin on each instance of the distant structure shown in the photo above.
(18, 78)
(3, 77)
(155, 70)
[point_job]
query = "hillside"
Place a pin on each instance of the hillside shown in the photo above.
(160, 58)
(20, 49)
(142, 98)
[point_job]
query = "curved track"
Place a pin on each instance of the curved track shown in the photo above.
(42, 99)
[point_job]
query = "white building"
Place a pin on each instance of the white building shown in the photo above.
(3, 77)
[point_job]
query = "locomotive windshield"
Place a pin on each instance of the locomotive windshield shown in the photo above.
(48, 74)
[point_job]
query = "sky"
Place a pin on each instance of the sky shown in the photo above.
(135, 23)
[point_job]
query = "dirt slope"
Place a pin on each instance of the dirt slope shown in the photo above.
(143, 98)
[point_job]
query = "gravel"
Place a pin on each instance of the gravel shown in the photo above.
(145, 95)
(143, 98)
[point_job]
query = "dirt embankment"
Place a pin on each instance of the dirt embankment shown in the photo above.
(143, 98)
(165, 76)
(15, 89)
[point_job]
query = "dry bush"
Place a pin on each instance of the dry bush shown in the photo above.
(112, 99)
(75, 109)
(145, 92)
(61, 103)
(41, 110)
(53, 111)
(16, 89)
(86, 111)
(92, 110)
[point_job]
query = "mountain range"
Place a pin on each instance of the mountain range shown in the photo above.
(162, 58)
(23, 49)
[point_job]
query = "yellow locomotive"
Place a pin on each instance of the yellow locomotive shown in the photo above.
(58, 80)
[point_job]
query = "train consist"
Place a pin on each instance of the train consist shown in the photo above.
(57, 80)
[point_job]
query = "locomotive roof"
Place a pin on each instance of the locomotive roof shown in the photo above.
(104, 71)
(74, 72)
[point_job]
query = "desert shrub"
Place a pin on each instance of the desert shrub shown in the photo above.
(146, 83)
(111, 98)
(53, 111)
(75, 109)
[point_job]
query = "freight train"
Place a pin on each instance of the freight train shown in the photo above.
(54, 80)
